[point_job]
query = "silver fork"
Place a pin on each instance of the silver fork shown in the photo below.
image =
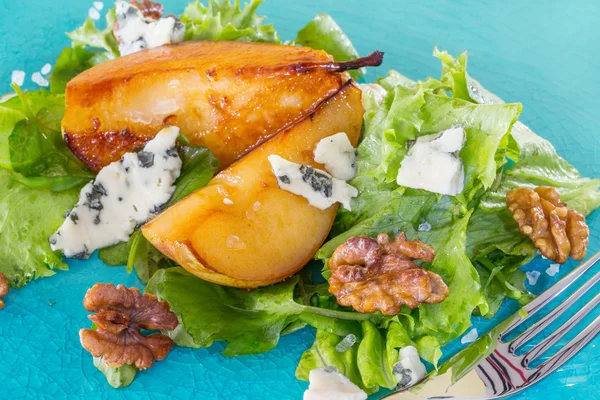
(503, 372)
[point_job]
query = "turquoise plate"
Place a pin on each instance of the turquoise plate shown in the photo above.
(544, 54)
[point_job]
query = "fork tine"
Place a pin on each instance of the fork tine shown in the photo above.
(572, 348)
(550, 294)
(545, 344)
(552, 315)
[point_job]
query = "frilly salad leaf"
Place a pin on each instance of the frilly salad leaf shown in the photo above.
(224, 20)
(90, 46)
(37, 153)
(251, 321)
(323, 33)
(101, 42)
(494, 241)
(369, 363)
(39, 181)
(408, 112)
(27, 219)
(323, 353)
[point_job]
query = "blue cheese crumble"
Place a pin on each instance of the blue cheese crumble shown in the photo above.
(136, 32)
(338, 156)
(123, 195)
(317, 186)
(433, 163)
(409, 369)
(329, 384)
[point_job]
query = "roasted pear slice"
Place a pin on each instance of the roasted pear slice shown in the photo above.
(241, 229)
(228, 96)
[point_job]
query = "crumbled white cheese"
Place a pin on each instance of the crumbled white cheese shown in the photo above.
(409, 369)
(123, 195)
(317, 186)
(373, 90)
(329, 384)
(136, 32)
(432, 163)
(338, 156)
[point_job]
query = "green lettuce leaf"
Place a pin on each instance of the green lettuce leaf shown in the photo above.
(37, 153)
(116, 377)
(324, 354)
(115, 255)
(70, 63)
(224, 20)
(323, 33)
(28, 217)
(8, 119)
(251, 321)
(494, 241)
(100, 44)
(369, 363)
(372, 359)
(410, 111)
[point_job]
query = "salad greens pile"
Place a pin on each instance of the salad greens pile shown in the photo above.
(478, 245)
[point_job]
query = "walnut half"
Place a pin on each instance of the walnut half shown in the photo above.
(379, 275)
(556, 231)
(121, 314)
(4, 288)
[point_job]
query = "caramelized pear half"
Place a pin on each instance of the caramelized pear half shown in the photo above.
(241, 229)
(227, 96)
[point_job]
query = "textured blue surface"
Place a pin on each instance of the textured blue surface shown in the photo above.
(544, 54)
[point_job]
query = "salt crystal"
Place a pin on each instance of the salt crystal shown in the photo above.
(227, 201)
(46, 69)
(93, 14)
(424, 227)
(470, 337)
(256, 206)
(18, 77)
(98, 5)
(533, 276)
(346, 343)
(553, 269)
(39, 79)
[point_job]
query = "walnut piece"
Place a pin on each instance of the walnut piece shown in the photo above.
(4, 288)
(557, 232)
(380, 275)
(120, 315)
(149, 9)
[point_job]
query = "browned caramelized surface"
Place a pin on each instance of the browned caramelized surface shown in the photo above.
(557, 232)
(243, 230)
(228, 96)
(121, 314)
(380, 275)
